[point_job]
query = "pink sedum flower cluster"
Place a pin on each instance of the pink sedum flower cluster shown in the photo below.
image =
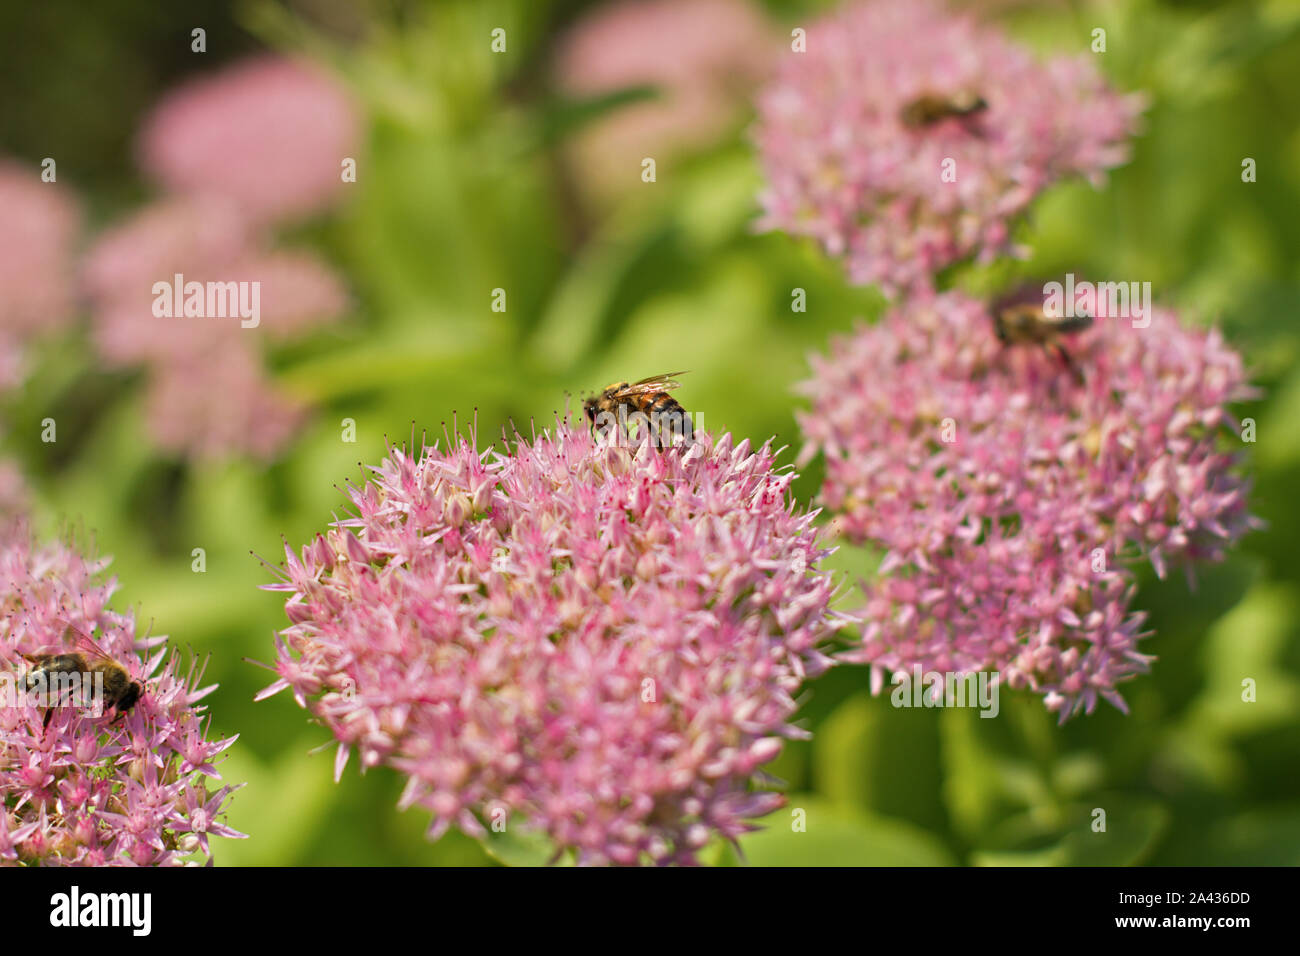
(208, 396)
(257, 145)
(843, 168)
(599, 643)
(269, 134)
(1010, 500)
(38, 232)
(702, 57)
(91, 791)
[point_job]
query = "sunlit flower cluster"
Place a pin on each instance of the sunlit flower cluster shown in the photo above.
(599, 643)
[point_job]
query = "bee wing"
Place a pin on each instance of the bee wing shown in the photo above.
(655, 383)
(83, 643)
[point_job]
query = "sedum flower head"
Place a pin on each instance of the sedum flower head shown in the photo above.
(93, 791)
(899, 201)
(193, 359)
(268, 134)
(1010, 499)
(602, 643)
(701, 57)
(254, 146)
(38, 229)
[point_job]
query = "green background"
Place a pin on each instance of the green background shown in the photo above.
(457, 195)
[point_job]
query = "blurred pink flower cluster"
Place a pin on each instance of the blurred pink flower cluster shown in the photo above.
(39, 224)
(1011, 500)
(89, 791)
(603, 643)
(253, 147)
(38, 232)
(702, 57)
(898, 200)
(269, 134)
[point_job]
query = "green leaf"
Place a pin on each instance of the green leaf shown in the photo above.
(1066, 837)
(282, 807)
(718, 201)
(561, 117)
(871, 756)
(974, 789)
(1133, 829)
(1260, 837)
(519, 846)
(1247, 645)
(835, 836)
(852, 564)
(1279, 439)
(581, 306)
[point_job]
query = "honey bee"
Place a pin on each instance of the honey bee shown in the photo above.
(88, 660)
(1018, 319)
(649, 398)
(931, 108)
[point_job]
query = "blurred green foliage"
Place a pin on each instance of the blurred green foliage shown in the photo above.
(458, 195)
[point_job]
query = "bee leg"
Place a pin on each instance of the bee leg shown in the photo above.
(972, 126)
(660, 436)
(1069, 363)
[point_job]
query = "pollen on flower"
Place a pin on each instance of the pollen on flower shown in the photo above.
(992, 539)
(499, 656)
(90, 791)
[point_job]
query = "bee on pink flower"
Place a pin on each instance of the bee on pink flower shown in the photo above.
(137, 786)
(1010, 500)
(598, 643)
(906, 138)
